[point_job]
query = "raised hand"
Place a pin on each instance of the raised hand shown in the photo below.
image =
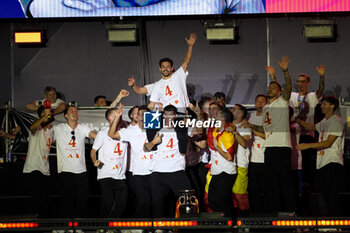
(192, 40)
(47, 113)
(284, 63)
(271, 70)
(158, 139)
(131, 81)
(196, 109)
(321, 70)
(123, 93)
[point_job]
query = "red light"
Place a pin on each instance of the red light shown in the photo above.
(70, 224)
(229, 223)
(194, 223)
(274, 223)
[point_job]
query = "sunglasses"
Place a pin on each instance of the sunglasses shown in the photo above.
(73, 135)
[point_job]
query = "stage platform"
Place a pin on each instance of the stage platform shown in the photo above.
(200, 224)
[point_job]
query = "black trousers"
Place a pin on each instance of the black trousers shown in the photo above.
(278, 181)
(256, 187)
(162, 184)
(197, 177)
(220, 193)
(330, 180)
(114, 197)
(141, 186)
(39, 191)
(74, 190)
(309, 161)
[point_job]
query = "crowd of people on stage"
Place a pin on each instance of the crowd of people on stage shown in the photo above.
(243, 165)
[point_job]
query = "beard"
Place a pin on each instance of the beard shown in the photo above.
(166, 73)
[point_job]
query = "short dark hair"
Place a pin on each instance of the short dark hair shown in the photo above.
(219, 95)
(227, 114)
(243, 109)
(274, 82)
(109, 112)
(131, 110)
(203, 100)
(166, 59)
(261, 95)
(67, 108)
(99, 97)
(304, 75)
(219, 106)
(332, 100)
(40, 110)
(144, 108)
(170, 108)
(48, 89)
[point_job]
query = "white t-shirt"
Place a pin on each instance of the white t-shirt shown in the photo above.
(149, 88)
(172, 91)
(113, 154)
(53, 105)
(141, 162)
(168, 157)
(70, 153)
(38, 151)
(276, 124)
(257, 149)
(312, 100)
(333, 126)
(242, 153)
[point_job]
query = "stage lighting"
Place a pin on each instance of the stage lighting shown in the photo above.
(319, 30)
(122, 33)
(221, 31)
(30, 38)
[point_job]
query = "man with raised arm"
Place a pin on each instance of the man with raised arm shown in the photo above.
(171, 89)
(50, 94)
(140, 161)
(168, 168)
(111, 164)
(306, 101)
(278, 174)
(37, 161)
(330, 146)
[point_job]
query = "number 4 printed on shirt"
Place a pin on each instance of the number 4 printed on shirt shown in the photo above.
(72, 143)
(170, 143)
(267, 118)
(48, 143)
(168, 92)
(117, 149)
